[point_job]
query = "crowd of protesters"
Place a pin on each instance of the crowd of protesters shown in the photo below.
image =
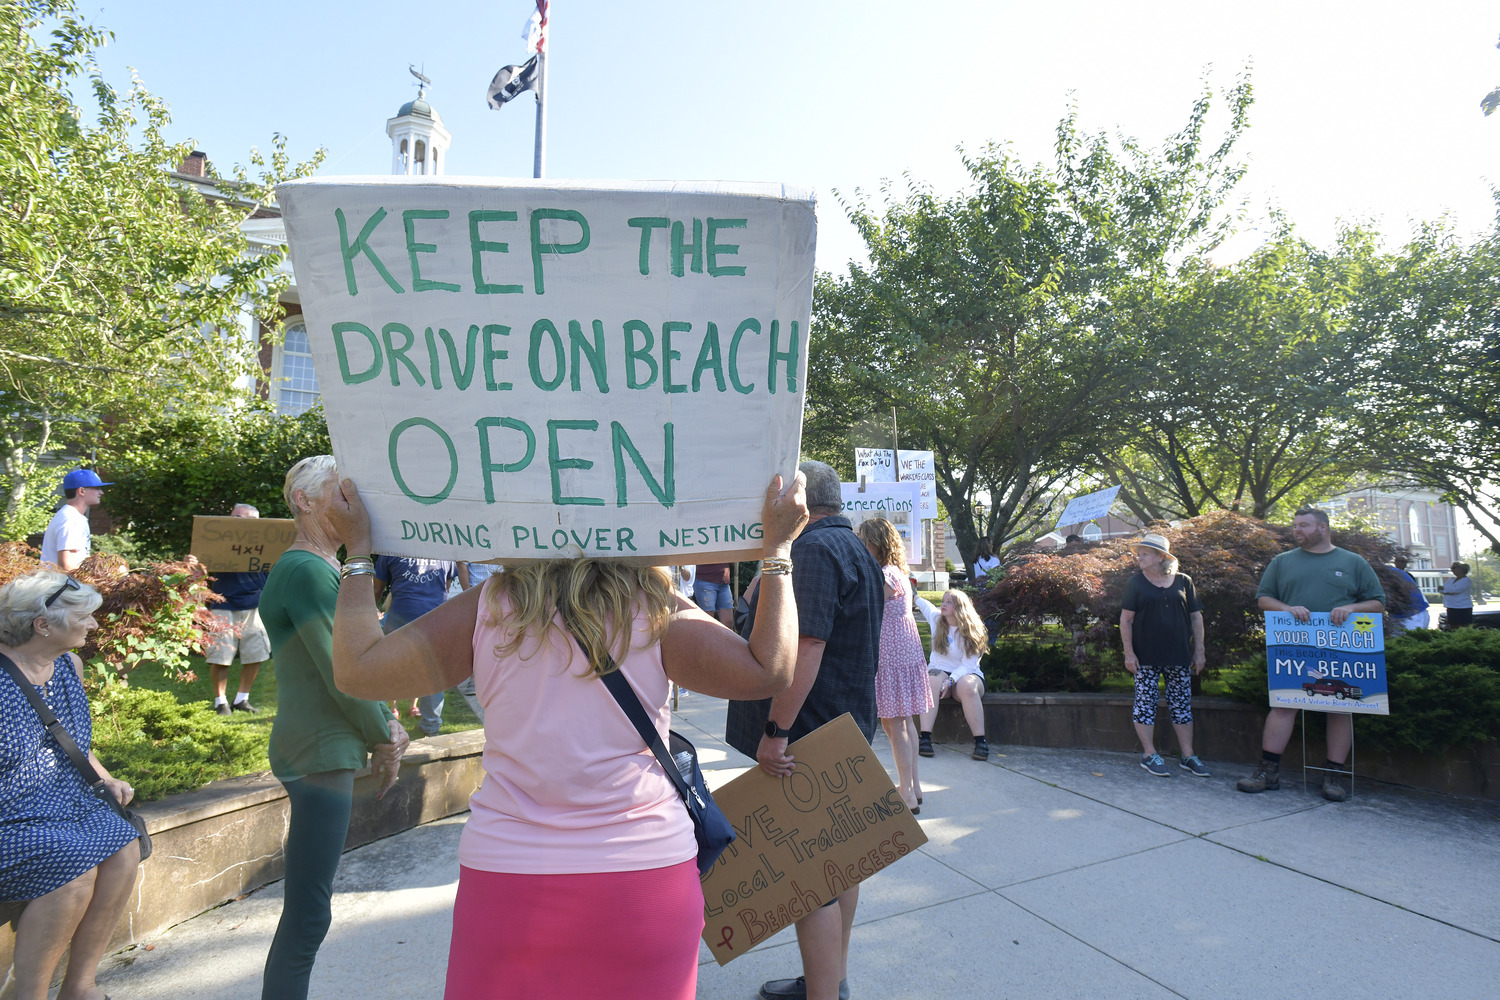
(575, 834)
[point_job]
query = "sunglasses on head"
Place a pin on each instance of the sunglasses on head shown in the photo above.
(68, 584)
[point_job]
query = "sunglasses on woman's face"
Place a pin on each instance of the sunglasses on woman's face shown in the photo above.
(68, 584)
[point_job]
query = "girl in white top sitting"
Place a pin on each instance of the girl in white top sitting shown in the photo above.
(958, 640)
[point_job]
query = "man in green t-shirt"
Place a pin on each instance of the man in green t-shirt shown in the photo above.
(1315, 576)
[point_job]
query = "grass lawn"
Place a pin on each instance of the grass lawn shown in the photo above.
(456, 714)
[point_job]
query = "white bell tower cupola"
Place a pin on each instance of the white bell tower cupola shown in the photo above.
(419, 143)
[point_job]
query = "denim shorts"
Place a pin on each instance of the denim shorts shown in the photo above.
(712, 597)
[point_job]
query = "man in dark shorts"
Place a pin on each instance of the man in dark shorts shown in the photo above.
(840, 598)
(1315, 576)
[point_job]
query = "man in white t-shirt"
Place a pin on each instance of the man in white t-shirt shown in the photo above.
(66, 542)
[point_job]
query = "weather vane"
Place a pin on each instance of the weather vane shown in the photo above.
(423, 83)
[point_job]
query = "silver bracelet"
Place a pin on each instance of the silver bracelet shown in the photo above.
(357, 567)
(775, 566)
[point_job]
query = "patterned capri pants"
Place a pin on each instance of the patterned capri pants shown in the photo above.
(1179, 694)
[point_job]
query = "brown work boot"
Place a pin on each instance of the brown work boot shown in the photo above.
(1334, 787)
(1267, 778)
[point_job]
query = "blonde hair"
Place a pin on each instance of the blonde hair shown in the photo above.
(597, 599)
(883, 540)
(970, 626)
(24, 600)
(308, 475)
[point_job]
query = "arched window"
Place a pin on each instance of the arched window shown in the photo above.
(298, 389)
(420, 164)
(405, 157)
(1092, 532)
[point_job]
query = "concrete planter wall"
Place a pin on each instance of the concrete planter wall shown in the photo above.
(1223, 729)
(225, 839)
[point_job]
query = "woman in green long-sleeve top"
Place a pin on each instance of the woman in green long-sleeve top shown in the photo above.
(321, 736)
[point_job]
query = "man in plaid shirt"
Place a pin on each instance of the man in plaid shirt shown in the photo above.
(840, 596)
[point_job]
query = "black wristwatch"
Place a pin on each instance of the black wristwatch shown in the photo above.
(775, 732)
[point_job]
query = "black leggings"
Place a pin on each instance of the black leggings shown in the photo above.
(320, 804)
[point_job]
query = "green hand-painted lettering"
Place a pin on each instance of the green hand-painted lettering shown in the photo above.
(349, 378)
(665, 489)
(397, 355)
(538, 247)
(409, 220)
(487, 465)
(395, 439)
(645, 224)
(361, 245)
(634, 354)
(715, 269)
(556, 464)
(478, 246)
(544, 328)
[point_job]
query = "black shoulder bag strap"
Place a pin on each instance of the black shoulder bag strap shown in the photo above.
(80, 760)
(625, 696)
(55, 727)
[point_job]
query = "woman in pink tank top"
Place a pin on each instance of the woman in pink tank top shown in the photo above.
(578, 872)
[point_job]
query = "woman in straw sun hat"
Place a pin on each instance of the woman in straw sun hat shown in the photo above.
(1161, 627)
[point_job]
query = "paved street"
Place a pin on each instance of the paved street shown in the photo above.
(1049, 873)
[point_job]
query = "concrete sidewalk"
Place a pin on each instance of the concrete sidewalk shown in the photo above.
(1049, 873)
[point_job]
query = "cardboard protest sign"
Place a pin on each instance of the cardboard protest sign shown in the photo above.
(241, 544)
(1323, 667)
(898, 503)
(804, 839)
(1088, 507)
(542, 369)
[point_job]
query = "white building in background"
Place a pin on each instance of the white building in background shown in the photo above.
(1416, 519)
(419, 146)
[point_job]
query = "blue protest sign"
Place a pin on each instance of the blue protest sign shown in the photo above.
(1322, 667)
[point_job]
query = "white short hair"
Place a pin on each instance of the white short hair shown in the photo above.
(309, 476)
(24, 600)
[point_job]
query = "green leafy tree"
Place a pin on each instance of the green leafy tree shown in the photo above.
(1432, 403)
(172, 466)
(115, 280)
(1255, 385)
(999, 322)
(1485, 569)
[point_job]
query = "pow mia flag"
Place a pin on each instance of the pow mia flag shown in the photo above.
(512, 81)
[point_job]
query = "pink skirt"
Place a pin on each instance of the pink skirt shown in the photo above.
(605, 936)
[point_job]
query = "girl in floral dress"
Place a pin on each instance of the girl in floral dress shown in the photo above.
(901, 688)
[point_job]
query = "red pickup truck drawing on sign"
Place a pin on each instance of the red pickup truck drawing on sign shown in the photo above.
(1333, 686)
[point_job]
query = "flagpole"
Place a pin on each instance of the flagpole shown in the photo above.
(539, 163)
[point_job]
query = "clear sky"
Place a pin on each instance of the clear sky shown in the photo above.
(1365, 111)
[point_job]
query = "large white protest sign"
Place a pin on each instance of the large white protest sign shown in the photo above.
(534, 370)
(898, 503)
(882, 465)
(1088, 507)
(920, 468)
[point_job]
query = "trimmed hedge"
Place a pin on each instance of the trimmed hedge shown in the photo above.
(1445, 691)
(162, 746)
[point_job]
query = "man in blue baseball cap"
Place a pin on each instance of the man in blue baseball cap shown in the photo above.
(66, 542)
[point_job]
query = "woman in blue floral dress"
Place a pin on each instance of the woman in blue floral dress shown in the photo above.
(62, 849)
